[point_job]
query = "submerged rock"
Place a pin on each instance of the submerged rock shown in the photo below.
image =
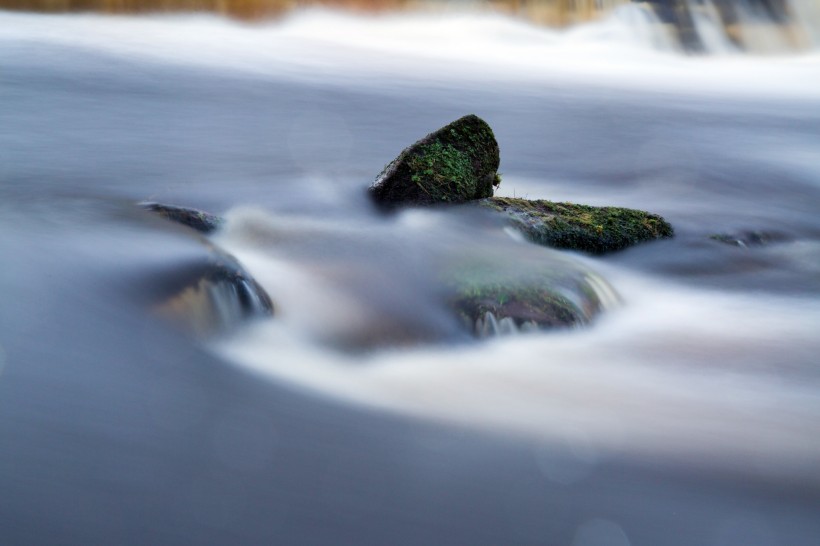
(215, 298)
(746, 239)
(457, 163)
(492, 298)
(580, 227)
(211, 296)
(204, 222)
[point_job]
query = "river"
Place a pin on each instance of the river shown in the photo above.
(686, 413)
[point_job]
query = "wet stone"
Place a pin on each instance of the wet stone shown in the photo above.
(457, 163)
(215, 296)
(204, 222)
(579, 227)
(498, 298)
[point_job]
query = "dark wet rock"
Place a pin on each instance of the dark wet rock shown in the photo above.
(204, 222)
(457, 163)
(213, 297)
(580, 227)
(493, 298)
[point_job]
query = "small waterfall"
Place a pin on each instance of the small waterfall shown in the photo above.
(759, 26)
(697, 26)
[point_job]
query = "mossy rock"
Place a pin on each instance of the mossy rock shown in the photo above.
(580, 227)
(530, 295)
(457, 163)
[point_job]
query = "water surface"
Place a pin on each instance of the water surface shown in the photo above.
(686, 413)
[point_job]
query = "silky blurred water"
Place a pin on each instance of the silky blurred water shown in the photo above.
(705, 357)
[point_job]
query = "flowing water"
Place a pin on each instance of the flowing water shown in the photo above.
(686, 412)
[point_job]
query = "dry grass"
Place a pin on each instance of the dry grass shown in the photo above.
(550, 12)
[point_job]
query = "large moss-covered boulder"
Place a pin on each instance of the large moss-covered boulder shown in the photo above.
(457, 163)
(580, 227)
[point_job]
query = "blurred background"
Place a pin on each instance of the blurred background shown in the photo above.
(743, 21)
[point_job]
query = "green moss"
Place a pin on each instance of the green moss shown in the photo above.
(581, 227)
(457, 163)
(442, 172)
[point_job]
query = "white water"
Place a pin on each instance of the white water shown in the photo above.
(627, 51)
(694, 376)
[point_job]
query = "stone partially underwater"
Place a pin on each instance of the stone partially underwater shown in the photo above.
(201, 221)
(579, 227)
(215, 298)
(496, 297)
(214, 295)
